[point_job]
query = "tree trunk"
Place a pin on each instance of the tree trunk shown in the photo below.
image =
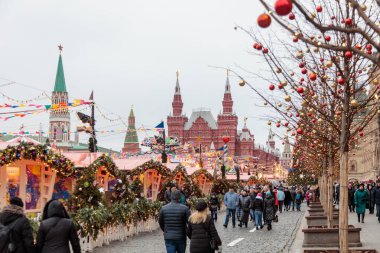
(330, 190)
(343, 203)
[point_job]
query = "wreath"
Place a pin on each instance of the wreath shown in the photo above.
(106, 162)
(150, 165)
(202, 172)
(43, 153)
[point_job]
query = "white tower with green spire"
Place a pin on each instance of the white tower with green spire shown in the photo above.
(59, 127)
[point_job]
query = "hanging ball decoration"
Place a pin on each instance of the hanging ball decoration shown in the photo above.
(86, 184)
(299, 131)
(348, 21)
(354, 103)
(312, 76)
(327, 37)
(319, 8)
(299, 55)
(341, 81)
(264, 20)
(272, 87)
(283, 7)
(288, 98)
(329, 64)
(348, 54)
(292, 16)
(300, 90)
(269, 123)
(242, 83)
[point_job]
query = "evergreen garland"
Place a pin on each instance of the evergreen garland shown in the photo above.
(40, 153)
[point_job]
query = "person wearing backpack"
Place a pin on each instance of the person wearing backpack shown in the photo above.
(57, 230)
(202, 232)
(15, 229)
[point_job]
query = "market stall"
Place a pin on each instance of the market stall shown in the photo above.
(30, 172)
(152, 175)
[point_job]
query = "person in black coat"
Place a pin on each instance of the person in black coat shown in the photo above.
(57, 230)
(288, 198)
(269, 209)
(202, 232)
(167, 195)
(214, 206)
(22, 233)
(173, 221)
(351, 201)
(371, 199)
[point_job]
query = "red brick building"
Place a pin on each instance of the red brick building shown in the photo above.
(202, 128)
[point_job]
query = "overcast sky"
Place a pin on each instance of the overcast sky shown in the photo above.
(128, 52)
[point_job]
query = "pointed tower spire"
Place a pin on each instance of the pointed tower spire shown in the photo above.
(227, 88)
(59, 125)
(131, 142)
(271, 142)
(177, 100)
(177, 88)
(60, 84)
(227, 99)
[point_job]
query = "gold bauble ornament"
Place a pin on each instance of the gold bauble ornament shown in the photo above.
(288, 98)
(364, 7)
(269, 123)
(278, 71)
(284, 83)
(329, 64)
(242, 83)
(299, 55)
(354, 103)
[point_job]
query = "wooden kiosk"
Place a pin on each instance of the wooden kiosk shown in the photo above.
(152, 174)
(204, 180)
(30, 172)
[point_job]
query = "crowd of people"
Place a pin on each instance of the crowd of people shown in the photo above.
(261, 204)
(55, 233)
(361, 198)
(257, 204)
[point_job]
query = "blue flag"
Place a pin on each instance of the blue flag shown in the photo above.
(161, 125)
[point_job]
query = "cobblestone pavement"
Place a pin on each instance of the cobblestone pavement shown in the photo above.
(279, 239)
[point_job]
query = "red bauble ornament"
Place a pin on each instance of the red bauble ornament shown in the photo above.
(283, 7)
(361, 134)
(300, 89)
(225, 139)
(358, 46)
(265, 50)
(280, 86)
(292, 16)
(348, 21)
(264, 20)
(295, 39)
(272, 87)
(259, 47)
(348, 54)
(299, 131)
(319, 8)
(368, 47)
(255, 45)
(304, 71)
(312, 76)
(278, 125)
(327, 37)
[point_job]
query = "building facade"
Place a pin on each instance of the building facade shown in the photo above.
(202, 128)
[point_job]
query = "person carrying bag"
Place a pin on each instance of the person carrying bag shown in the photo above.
(202, 232)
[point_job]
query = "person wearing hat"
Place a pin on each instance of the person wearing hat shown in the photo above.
(361, 199)
(173, 220)
(269, 209)
(202, 232)
(14, 218)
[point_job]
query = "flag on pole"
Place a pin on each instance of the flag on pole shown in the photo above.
(161, 125)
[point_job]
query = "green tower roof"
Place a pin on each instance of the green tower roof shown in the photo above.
(60, 84)
(131, 136)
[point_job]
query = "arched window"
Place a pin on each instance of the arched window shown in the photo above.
(353, 166)
(55, 133)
